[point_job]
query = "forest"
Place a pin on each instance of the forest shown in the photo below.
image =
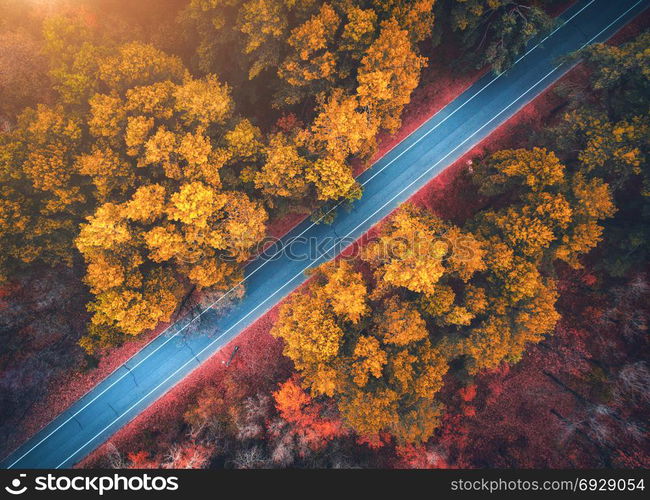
(145, 153)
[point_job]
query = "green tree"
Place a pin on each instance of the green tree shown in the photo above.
(495, 32)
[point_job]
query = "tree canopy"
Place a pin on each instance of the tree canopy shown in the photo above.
(441, 294)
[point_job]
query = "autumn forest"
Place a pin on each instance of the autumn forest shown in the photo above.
(148, 148)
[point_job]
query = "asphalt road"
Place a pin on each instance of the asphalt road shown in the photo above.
(390, 181)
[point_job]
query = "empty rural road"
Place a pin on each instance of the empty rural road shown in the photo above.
(390, 181)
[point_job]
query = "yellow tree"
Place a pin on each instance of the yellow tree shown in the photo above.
(533, 170)
(204, 101)
(312, 340)
(505, 334)
(264, 25)
(480, 295)
(52, 141)
(159, 140)
(343, 290)
(359, 31)
(43, 198)
(415, 249)
(389, 72)
(74, 55)
(415, 16)
(342, 128)
(284, 170)
(615, 151)
(137, 252)
(551, 215)
(592, 203)
(332, 178)
(379, 366)
(136, 64)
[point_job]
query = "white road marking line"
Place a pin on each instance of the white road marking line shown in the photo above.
(309, 227)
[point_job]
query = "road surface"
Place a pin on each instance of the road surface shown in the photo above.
(390, 181)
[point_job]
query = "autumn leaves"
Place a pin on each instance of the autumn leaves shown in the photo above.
(154, 177)
(380, 334)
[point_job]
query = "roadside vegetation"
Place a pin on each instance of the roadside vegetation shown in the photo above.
(145, 154)
(439, 359)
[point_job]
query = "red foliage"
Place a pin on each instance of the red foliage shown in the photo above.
(419, 457)
(141, 460)
(278, 227)
(288, 122)
(299, 409)
(375, 442)
(468, 393)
